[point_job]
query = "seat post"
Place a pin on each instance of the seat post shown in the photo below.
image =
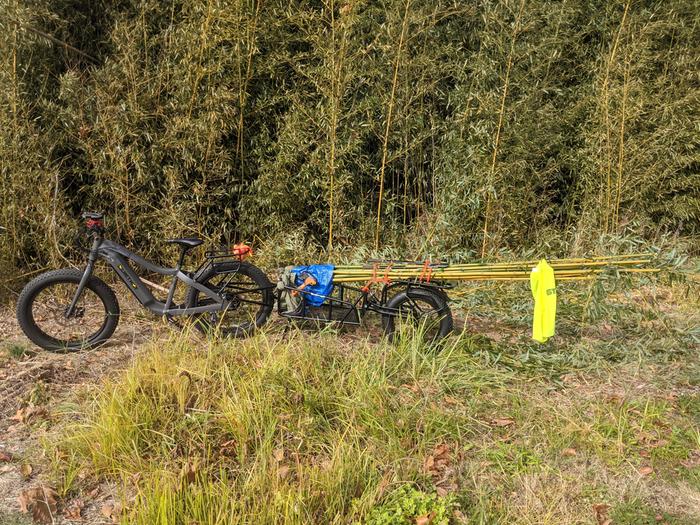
(181, 260)
(185, 244)
(173, 284)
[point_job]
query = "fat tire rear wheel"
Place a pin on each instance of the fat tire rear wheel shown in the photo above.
(264, 295)
(70, 276)
(407, 298)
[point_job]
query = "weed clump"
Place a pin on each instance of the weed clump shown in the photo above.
(408, 505)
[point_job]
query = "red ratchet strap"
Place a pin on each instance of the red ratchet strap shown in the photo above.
(384, 279)
(241, 251)
(427, 272)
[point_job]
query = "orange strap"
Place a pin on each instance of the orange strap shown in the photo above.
(308, 281)
(384, 279)
(427, 272)
(241, 251)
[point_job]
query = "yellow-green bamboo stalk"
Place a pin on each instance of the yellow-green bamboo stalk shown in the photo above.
(497, 140)
(390, 110)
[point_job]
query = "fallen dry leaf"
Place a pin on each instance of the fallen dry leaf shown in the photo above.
(278, 454)
(5, 456)
(40, 501)
(283, 471)
(426, 519)
(438, 460)
(73, 510)
(111, 511)
(645, 471)
(502, 422)
(439, 466)
(23, 415)
(6, 468)
(568, 452)
(26, 470)
(228, 448)
(601, 513)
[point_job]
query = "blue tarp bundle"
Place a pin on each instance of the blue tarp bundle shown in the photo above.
(323, 273)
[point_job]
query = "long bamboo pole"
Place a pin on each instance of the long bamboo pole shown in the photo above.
(527, 261)
(568, 269)
(572, 265)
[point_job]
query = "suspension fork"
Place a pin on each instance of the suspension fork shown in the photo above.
(92, 258)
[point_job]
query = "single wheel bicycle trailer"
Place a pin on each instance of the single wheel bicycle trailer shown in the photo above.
(421, 304)
(70, 309)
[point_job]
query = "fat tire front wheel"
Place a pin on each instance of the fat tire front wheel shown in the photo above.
(43, 301)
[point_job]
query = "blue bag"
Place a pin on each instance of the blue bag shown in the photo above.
(323, 274)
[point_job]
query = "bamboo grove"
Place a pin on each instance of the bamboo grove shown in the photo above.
(429, 126)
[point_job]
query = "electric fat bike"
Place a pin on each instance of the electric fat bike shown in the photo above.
(69, 309)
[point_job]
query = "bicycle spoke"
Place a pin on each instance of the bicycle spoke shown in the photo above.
(418, 313)
(245, 297)
(50, 307)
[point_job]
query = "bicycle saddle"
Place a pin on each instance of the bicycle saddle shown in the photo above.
(186, 243)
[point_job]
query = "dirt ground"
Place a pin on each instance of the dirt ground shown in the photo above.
(35, 383)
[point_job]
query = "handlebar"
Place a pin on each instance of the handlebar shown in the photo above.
(93, 221)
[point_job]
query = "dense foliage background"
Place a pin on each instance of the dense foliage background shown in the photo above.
(423, 125)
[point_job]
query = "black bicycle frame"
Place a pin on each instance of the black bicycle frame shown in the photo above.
(118, 257)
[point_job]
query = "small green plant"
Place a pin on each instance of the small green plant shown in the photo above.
(636, 512)
(407, 505)
(513, 458)
(17, 350)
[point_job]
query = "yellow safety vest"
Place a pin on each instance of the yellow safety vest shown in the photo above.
(544, 291)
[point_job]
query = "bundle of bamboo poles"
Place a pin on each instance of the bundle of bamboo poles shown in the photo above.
(564, 269)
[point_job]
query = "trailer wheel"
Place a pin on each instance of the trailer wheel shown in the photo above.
(419, 308)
